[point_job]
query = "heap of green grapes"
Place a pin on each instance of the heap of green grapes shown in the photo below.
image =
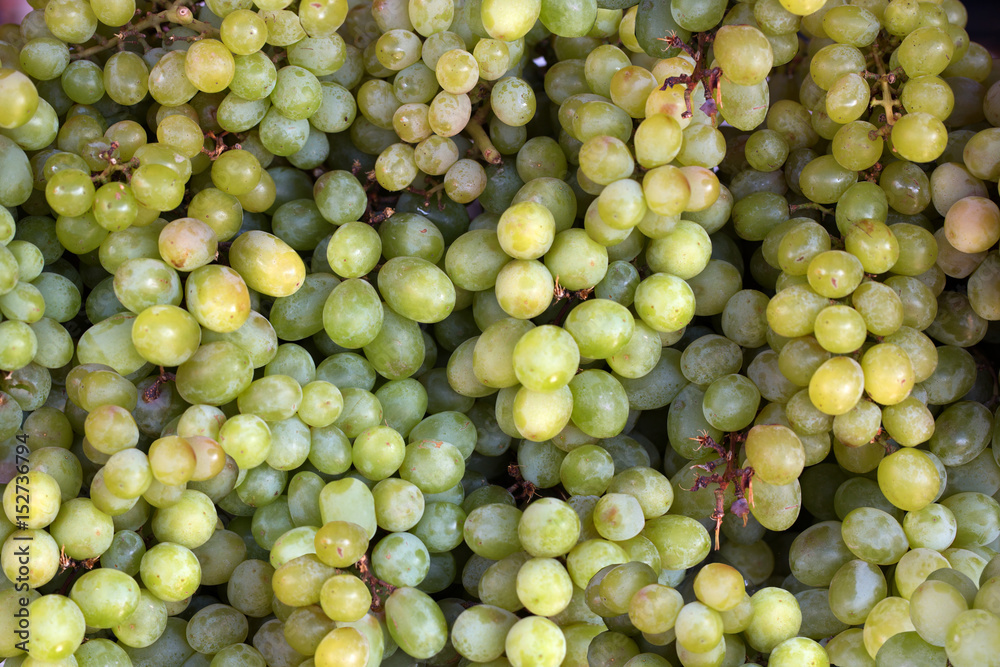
(514, 333)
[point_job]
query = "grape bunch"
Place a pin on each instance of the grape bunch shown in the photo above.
(515, 333)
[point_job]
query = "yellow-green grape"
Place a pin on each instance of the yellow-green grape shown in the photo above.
(267, 264)
(908, 422)
(187, 244)
(170, 571)
(857, 146)
(345, 646)
(321, 405)
(926, 51)
(210, 458)
(171, 460)
(666, 190)
(919, 137)
(182, 134)
(719, 586)
(889, 376)
(110, 429)
(901, 17)
(840, 329)
(416, 289)
(776, 617)
(833, 61)
(873, 243)
(852, 25)
(126, 78)
(837, 385)
(127, 474)
(513, 100)
(19, 347)
(540, 416)
(802, 7)
(775, 453)
(744, 107)
(934, 605)
(544, 586)
(218, 298)
(798, 651)
(340, 543)
(398, 49)
(972, 224)
(70, 192)
(929, 94)
(909, 479)
(889, 617)
(416, 622)
(744, 54)
(243, 32)
(665, 302)
(606, 159)
(345, 598)
(157, 187)
(209, 65)
(23, 98)
(653, 609)
(880, 306)
(536, 640)
(43, 500)
(60, 626)
(847, 98)
(457, 71)
(38, 549)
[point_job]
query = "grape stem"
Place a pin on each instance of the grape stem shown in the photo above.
(559, 292)
(67, 563)
(114, 166)
(813, 205)
(152, 392)
(887, 102)
(710, 78)
(176, 12)
(480, 139)
(377, 586)
(740, 478)
(220, 145)
(522, 489)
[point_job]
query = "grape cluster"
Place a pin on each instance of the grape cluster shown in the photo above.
(517, 333)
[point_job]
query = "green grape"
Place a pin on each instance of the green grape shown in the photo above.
(44, 58)
(70, 192)
(917, 249)
(416, 289)
(776, 617)
(925, 51)
(880, 306)
(345, 598)
(851, 25)
(448, 114)
(776, 454)
(928, 94)
(854, 146)
(23, 96)
(60, 625)
(698, 628)
(888, 373)
(416, 622)
(125, 78)
(919, 137)
(743, 53)
(833, 61)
